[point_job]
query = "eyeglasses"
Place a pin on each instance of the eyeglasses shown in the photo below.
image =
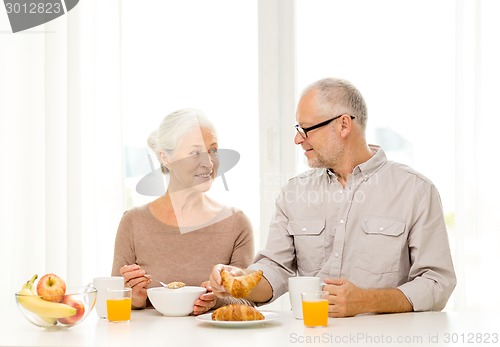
(303, 131)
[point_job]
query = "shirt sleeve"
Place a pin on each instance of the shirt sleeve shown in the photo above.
(124, 245)
(431, 276)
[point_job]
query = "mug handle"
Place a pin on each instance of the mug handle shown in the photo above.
(89, 287)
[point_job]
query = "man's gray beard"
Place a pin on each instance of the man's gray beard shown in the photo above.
(317, 163)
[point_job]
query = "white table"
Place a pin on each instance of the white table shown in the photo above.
(149, 328)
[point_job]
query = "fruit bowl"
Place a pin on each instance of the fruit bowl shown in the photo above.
(75, 306)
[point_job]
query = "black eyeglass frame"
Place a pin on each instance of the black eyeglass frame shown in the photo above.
(303, 131)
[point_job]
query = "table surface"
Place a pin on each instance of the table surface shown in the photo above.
(150, 328)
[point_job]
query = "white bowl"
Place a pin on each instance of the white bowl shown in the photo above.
(175, 302)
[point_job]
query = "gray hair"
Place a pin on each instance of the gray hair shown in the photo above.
(173, 127)
(336, 96)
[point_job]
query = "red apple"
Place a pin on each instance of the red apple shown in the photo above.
(80, 310)
(51, 288)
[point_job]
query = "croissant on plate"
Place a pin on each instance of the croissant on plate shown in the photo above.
(237, 312)
(240, 286)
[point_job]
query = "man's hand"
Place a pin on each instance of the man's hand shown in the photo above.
(347, 300)
(215, 278)
(344, 299)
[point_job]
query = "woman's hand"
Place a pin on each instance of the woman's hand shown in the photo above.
(206, 301)
(215, 279)
(134, 278)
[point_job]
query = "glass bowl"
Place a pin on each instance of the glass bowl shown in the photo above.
(41, 313)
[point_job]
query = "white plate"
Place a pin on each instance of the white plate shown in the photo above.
(207, 318)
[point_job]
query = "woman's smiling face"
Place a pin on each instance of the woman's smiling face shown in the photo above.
(195, 161)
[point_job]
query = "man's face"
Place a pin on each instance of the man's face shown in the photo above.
(321, 146)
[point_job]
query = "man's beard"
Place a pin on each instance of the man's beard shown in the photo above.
(322, 161)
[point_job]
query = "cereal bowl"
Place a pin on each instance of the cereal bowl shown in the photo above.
(76, 305)
(175, 302)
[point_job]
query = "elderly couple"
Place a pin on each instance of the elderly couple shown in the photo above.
(387, 252)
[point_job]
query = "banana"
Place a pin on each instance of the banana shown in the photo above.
(29, 289)
(47, 310)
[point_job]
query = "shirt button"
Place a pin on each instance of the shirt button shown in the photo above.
(304, 229)
(336, 254)
(342, 221)
(381, 229)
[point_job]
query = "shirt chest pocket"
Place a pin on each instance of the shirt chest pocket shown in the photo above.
(309, 240)
(380, 245)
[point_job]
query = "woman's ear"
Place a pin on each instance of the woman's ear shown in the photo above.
(164, 159)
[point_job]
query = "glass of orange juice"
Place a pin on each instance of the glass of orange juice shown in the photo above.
(315, 308)
(119, 304)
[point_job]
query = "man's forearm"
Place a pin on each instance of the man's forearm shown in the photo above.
(263, 292)
(384, 301)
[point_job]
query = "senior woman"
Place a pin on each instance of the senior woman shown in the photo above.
(182, 234)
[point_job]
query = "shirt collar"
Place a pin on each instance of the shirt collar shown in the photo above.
(370, 166)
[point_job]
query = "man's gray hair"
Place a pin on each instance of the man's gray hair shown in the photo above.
(335, 96)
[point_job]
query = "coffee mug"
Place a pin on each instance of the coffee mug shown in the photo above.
(102, 284)
(298, 285)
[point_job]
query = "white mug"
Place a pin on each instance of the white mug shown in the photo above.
(102, 284)
(298, 285)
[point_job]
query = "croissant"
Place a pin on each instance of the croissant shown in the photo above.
(237, 312)
(240, 286)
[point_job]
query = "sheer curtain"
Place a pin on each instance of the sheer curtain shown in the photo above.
(61, 155)
(477, 227)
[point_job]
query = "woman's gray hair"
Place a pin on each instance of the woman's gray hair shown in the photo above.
(336, 96)
(173, 127)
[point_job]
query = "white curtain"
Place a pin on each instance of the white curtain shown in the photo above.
(61, 152)
(476, 237)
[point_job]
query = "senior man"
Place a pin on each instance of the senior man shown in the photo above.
(372, 229)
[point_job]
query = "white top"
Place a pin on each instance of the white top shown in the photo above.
(149, 328)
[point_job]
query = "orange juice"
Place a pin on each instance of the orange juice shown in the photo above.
(119, 309)
(315, 313)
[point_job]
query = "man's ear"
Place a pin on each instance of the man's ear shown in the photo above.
(345, 126)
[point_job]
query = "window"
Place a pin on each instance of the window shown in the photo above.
(194, 54)
(400, 55)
